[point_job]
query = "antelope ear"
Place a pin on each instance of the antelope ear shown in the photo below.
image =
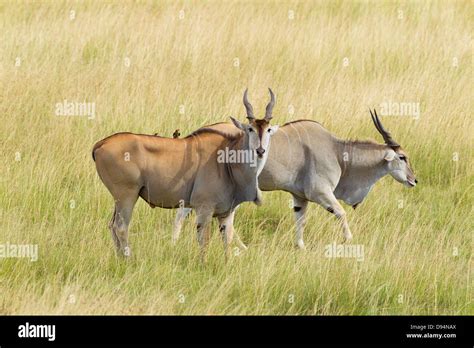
(237, 123)
(390, 155)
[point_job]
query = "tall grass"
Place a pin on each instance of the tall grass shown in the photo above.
(327, 61)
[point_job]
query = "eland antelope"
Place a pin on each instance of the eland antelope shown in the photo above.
(170, 173)
(313, 165)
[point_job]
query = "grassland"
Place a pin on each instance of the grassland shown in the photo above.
(150, 68)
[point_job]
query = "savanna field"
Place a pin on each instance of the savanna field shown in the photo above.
(153, 67)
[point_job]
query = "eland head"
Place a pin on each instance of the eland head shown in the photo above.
(396, 158)
(258, 131)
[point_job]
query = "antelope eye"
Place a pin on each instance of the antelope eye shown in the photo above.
(250, 129)
(403, 158)
(269, 130)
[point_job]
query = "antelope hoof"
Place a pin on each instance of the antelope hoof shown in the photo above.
(347, 238)
(242, 246)
(300, 245)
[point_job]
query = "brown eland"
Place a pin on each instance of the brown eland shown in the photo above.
(189, 172)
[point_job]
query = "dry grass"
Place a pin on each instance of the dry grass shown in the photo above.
(410, 265)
